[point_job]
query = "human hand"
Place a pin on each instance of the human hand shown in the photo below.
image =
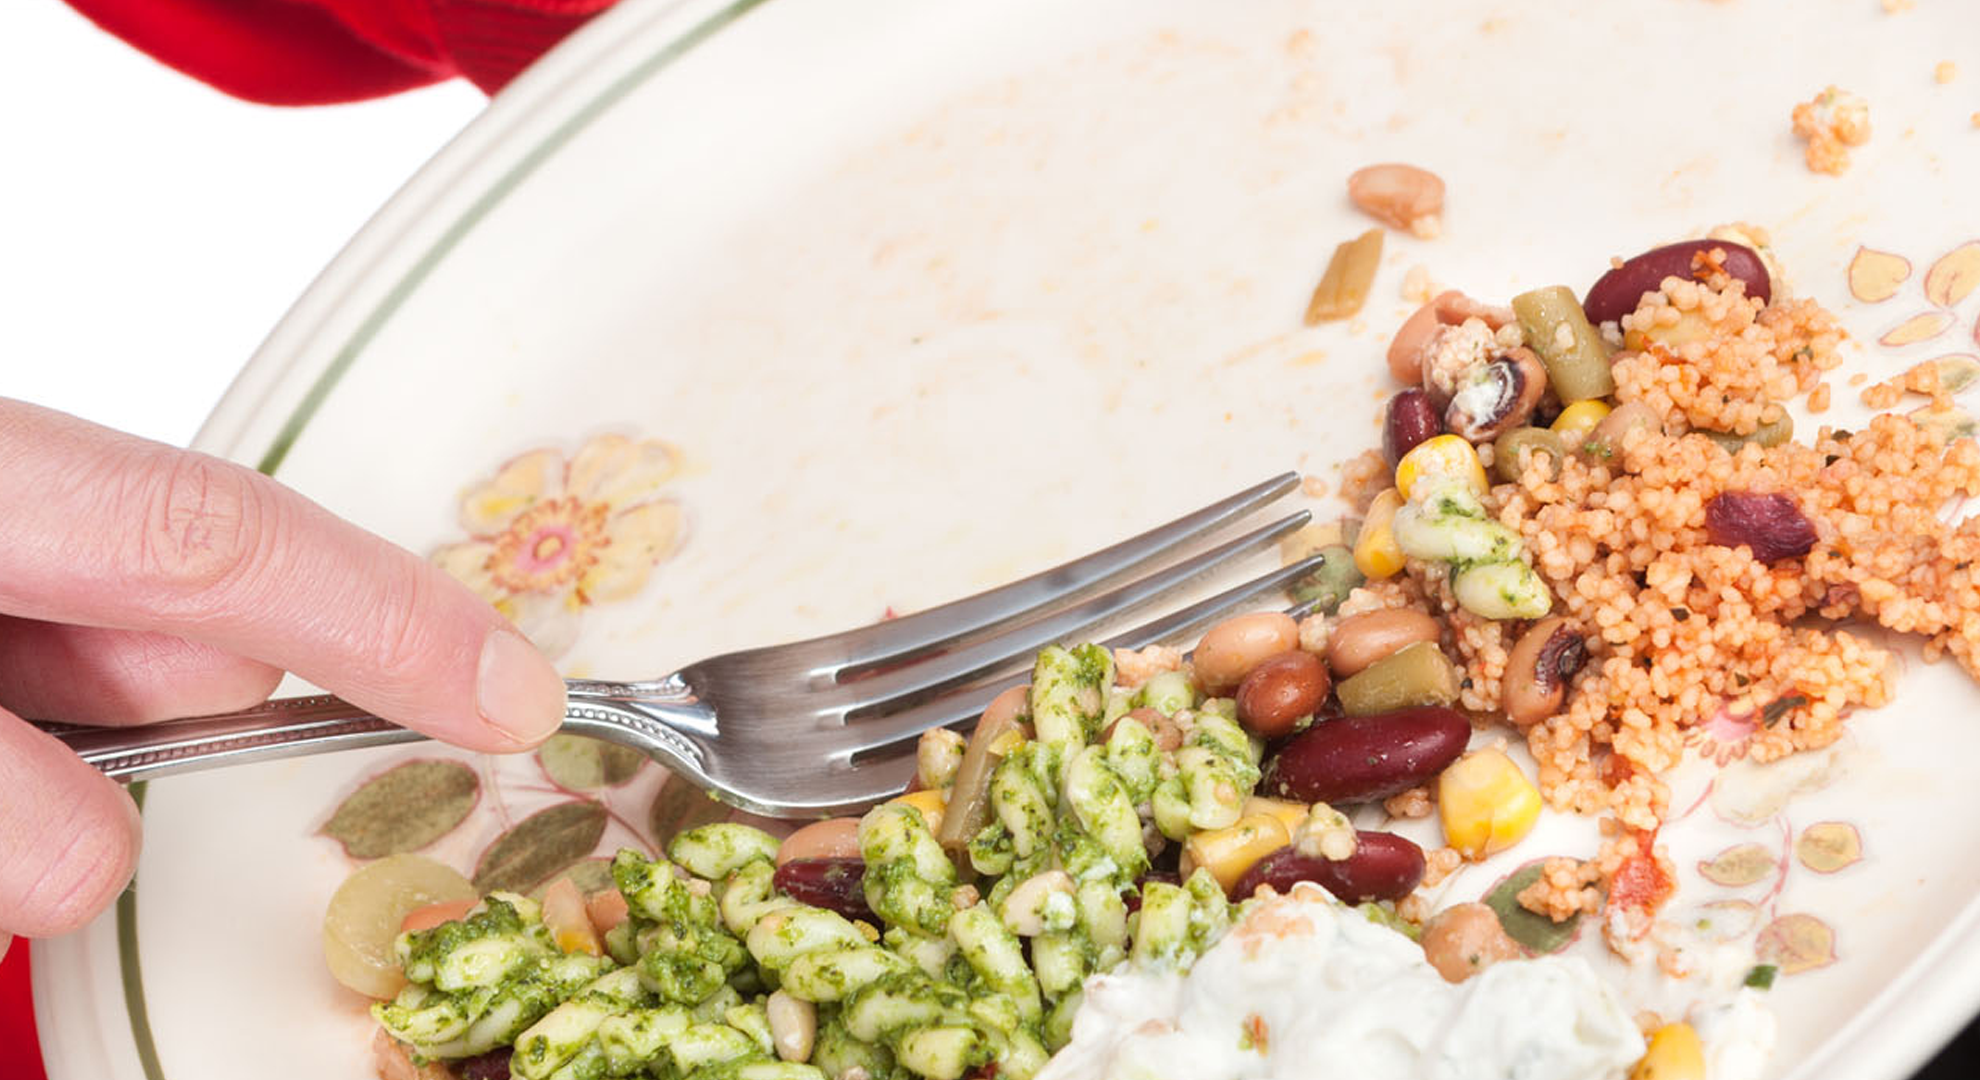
(142, 583)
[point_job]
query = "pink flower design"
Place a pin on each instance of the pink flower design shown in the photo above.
(549, 537)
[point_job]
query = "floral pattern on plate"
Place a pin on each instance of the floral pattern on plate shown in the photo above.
(550, 535)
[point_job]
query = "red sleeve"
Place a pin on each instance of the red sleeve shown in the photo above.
(311, 52)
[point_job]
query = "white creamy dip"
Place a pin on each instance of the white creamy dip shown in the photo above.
(1303, 988)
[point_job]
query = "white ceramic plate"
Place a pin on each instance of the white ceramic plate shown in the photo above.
(921, 297)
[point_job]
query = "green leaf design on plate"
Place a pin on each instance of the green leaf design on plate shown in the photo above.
(581, 763)
(1796, 943)
(1957, 372)
(1739, 865)
(1536, 933)
(678, 807)
(539, 846)
(404, 808)
(1827, 846)
(589, 875)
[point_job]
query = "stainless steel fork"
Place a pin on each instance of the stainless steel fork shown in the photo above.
(807, 729)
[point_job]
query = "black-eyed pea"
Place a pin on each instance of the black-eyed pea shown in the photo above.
(1538, 669)
(1497, 396)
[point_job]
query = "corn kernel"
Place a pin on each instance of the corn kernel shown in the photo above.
(1690, 327)
(1376, 554)
(1580, 418)
(1007, 741)
(1675, 1054)
(1290, 814)
(1486, 803)
(930, 803)
(1446, 456)
(1228, 852)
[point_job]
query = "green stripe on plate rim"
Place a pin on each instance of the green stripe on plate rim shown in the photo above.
(130, 971)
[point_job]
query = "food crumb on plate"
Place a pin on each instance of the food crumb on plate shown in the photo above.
(1831, 122)
(1944, 72)
(1416, 285)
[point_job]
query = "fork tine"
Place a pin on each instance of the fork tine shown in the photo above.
(893, 690)
(882, 732)
(855, 790)
(900, 639)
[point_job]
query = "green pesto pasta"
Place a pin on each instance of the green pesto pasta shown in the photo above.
(957, 969)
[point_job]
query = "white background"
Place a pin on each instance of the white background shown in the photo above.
(153, 231)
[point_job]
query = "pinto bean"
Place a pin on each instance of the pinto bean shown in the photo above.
(1168, 734)
(1617, 292)
(1538, 669)
(1384, 866)
(1398, 195)
(1361, 640)
(1412, 342)
(1465, 939)
(1230, 649)
(1605, 443)
(1278, 692)
(1362, 758)
(833, 838)
(1454, 307)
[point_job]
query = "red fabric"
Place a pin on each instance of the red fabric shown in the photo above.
(20, 1053)
(314, 52)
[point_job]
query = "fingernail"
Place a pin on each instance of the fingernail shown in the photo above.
(516, 689)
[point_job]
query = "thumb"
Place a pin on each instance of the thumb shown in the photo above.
(68, 835)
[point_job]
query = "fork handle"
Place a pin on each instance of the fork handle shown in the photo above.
(282, 728)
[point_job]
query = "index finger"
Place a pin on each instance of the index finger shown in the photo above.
(105, 529)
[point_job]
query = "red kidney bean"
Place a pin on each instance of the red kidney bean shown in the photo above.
(1617, 292)
(833, 884)
(1281, 690)
(493, 1065)
(1362, 758)
(1767, 522)
(1384, 866)
(1411, 419)
(1133, 896)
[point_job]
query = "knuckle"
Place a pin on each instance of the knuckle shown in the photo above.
(204, 527)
